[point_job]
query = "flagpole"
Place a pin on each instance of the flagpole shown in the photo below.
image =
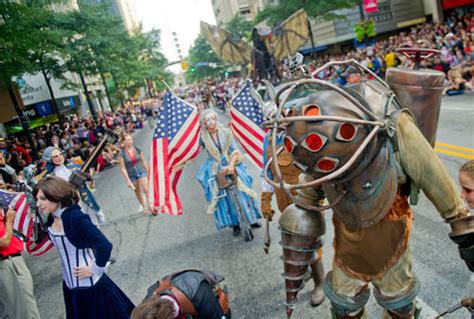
(166, 84)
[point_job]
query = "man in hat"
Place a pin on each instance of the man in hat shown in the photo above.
(351, 75)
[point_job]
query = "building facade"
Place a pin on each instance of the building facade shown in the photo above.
(225, 10)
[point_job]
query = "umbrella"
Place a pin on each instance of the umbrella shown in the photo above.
(228, 47)
(288, 36)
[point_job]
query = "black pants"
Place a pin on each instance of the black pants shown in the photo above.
(206, 303)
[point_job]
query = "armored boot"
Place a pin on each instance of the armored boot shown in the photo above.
(411, 311)
(317, 272)
(360, 315)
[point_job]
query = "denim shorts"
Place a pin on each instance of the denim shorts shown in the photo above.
(139, 173)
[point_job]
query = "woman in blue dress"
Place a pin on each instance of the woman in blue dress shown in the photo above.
(223, 155)
(84, 251)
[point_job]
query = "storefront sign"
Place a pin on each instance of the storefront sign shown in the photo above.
(370, 6)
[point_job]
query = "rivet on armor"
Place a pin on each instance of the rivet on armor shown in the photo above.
(367, 185)
(326, 164)
(346, 132)
(314, 142)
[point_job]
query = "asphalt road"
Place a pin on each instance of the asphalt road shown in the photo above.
(146, 248)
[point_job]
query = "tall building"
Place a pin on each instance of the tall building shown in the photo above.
(123, 9)
(225, 10)
(126, 11)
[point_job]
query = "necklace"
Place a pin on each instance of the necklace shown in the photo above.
(132, 155)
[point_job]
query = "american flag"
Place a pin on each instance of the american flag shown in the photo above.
(23, 222)
(175, 141)
(246, 120)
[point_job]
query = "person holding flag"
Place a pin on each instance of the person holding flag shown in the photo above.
(16, 283)
(175, 141)
(223, 156)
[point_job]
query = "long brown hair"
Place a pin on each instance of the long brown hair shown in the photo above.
(57, 190)
(154, 308)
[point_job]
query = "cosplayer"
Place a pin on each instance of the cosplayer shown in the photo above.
(16, 283)
(358, 148)
(290, 174)
(57, 165)
(88, 291)
(188, 293)
(224, 157)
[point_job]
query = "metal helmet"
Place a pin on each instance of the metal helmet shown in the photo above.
(340, 136)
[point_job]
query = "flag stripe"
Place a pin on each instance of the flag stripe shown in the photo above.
(23, 222)
(258, 147)
(176, 138)
(245, 143)
(246, 118)
(255, 156)
(238, 117)
(180, 157)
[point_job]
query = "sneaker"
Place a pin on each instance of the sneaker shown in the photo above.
(141, 209)
(256, 225)
(236, 231)
(101, 218)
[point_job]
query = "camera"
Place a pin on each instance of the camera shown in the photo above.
(18, 234)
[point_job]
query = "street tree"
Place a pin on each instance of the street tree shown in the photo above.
(239, 26)
(200, 53)
(23, 31)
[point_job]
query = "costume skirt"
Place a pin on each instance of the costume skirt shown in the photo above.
(103, 300)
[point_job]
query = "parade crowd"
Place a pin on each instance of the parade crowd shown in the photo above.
(90, 293)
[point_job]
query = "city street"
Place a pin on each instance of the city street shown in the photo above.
(146, 247)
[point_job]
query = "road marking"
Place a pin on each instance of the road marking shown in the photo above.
(455, 147)
(457, 154)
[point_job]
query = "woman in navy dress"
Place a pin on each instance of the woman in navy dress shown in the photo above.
(88, 292)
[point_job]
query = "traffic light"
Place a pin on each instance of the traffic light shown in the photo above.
(184, 65)
(193, 69)
(226, 74)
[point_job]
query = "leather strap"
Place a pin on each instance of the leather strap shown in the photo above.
(186, 305)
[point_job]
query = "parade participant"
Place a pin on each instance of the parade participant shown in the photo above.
(134, 168)
(466, 180)
(192, 293)
(88, 291)
(7, 173)
(290, 174)
(366, 160)
(223, 156)
(16, 284)
(57, 165)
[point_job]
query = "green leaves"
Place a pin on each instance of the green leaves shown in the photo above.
(91, 40)
(201, 52)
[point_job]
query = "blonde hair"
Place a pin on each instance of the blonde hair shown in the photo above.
(468, 169)
(206, 113)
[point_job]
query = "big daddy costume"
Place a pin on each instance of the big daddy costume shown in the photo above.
(362, 151)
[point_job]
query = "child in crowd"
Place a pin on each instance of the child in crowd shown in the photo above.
(466, 180)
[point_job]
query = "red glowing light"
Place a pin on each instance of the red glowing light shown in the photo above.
(314, 142)
(347, 131)
(288, 145)
(326, 165)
